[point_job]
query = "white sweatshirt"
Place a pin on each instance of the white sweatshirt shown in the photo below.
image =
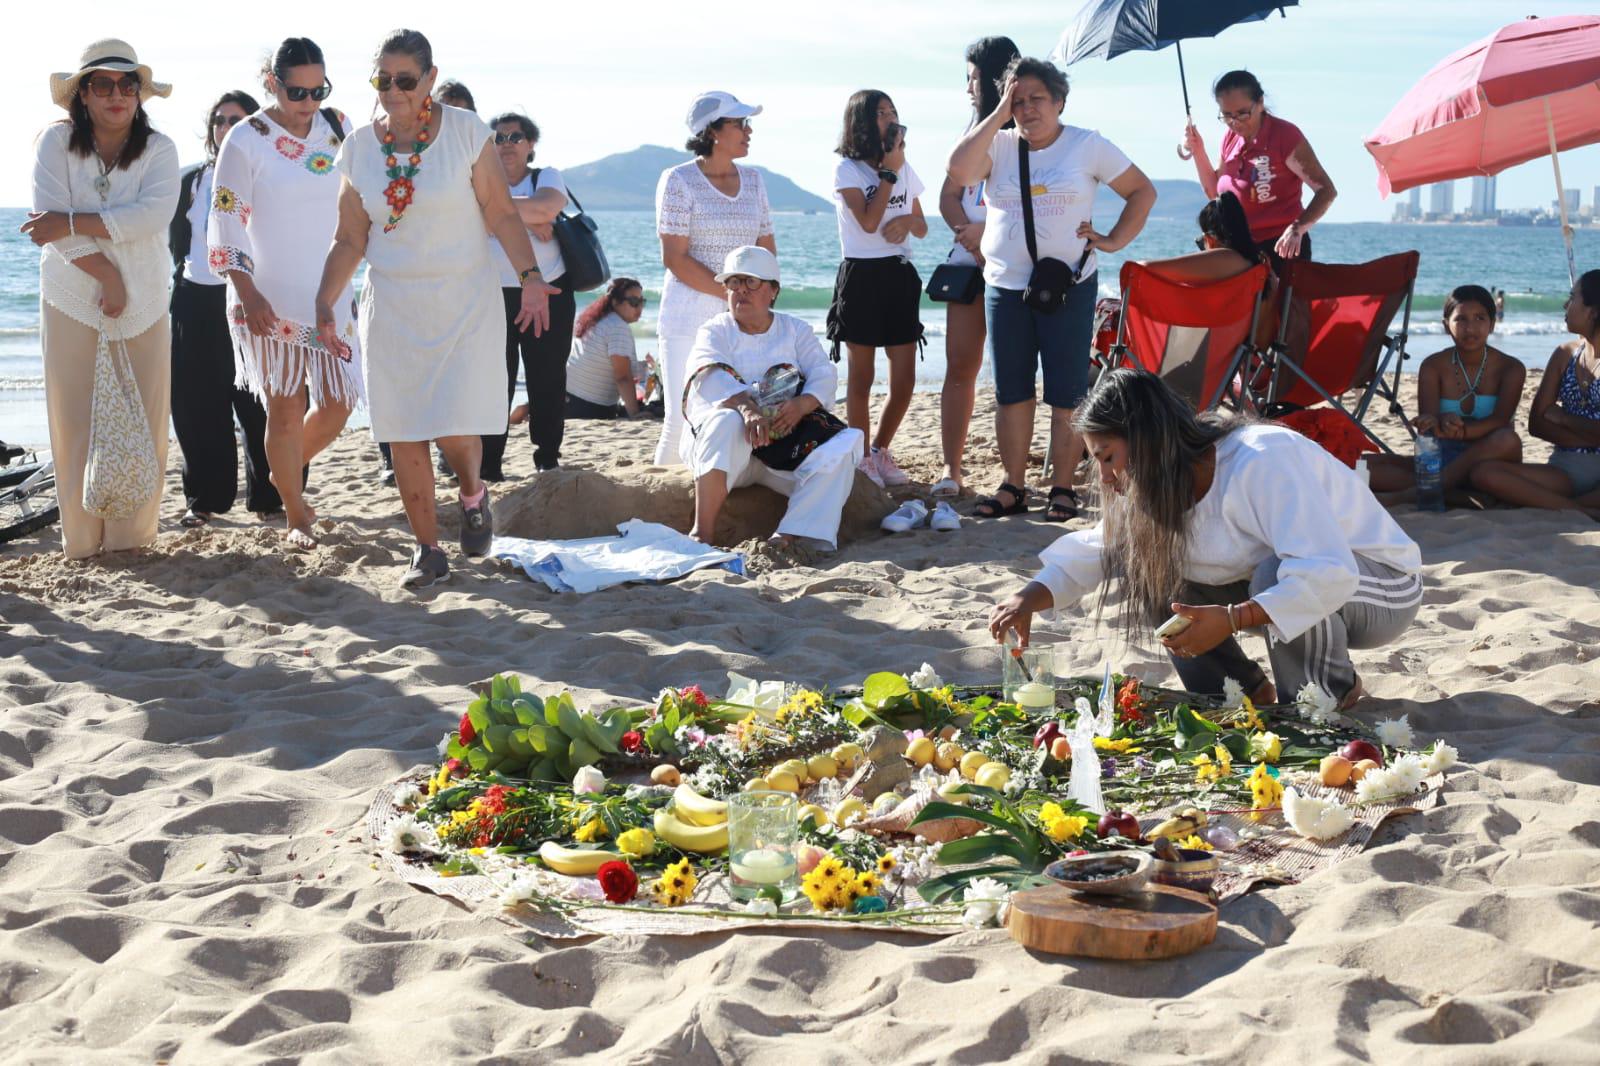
(1275, 493)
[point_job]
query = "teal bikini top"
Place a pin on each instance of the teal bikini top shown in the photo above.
(1471, 404)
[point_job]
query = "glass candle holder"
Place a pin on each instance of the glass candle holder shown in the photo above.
(1028, 677)
(762, 829)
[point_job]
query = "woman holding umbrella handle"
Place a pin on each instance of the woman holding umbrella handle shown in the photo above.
(1265, 161)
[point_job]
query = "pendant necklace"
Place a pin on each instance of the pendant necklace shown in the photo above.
(1470, 397)
(102, 180)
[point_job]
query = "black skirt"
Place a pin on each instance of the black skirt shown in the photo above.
(876, 303)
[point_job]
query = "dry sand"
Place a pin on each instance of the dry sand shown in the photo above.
(189, 739)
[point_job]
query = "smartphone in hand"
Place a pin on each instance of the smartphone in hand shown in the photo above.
(892, 137)
(1172, 627)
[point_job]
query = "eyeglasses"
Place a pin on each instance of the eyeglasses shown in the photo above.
(634, 301)
(1237, 116)
(127, 85)
(220, 120)
(297, 93)
(510, 138)
(743, 281)
(404, 82)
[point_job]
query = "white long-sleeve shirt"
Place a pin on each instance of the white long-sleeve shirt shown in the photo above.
(136, 210)
(1275, 493)
(787, 340)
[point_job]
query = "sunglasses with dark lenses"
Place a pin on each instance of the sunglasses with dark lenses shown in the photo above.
(219, 120)
(509, 138)
(296, 93)
(1200, 243)
(127, 85)
(634, 301)
(404, 82)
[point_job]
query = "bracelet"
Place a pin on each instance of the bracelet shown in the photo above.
(72, 223)
(524, 275)
(1233, 622)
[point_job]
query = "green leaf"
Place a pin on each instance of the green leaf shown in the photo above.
(503, 712)
(521, 744)
(671, 718)
(1190, 724)
(552, 711)
(455, 749)
(981, 848)
(942, 888)
(500, 688)
(1237, 745)
(882, 687)
(478, 713)
(543, 770)
(528, 710)
(571, 721)
(478, 759)
(497, 738)
(582, 753)
(596, 734)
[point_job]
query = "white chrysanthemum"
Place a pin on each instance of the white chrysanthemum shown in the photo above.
(517, 892)
(925, 678)
(764, 907)
(984, 897)
(1395, 732)
(408, 836)
(1317, 705)
(1315, 819)
(1232, 694)
(1440, 758)
(1377, 785)
(407, 796)
(1408, 771)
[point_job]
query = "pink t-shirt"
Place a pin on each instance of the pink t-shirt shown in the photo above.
(1258, 173)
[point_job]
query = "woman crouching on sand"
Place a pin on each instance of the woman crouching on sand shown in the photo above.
(1233, 526)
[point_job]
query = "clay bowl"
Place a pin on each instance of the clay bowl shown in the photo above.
(1195, 870)
(1129, 871)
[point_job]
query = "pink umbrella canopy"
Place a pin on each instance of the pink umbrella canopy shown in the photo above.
(1484, 108)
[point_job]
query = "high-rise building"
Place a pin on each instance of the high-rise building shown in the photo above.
(1442, 199)
(1483, 197)
(1416, 202)
(1573, 197)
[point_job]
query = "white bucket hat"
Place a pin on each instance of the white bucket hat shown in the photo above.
(111, 55)
(750, 260)
(709, 107)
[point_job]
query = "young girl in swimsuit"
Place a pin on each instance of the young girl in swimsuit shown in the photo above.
(1467, 396)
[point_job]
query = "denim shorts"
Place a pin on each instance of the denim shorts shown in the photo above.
(1022, 340)
(1582, 467)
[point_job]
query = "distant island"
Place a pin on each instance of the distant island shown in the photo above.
(627, 182)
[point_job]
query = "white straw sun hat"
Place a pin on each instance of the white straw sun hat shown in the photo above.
(109, 54)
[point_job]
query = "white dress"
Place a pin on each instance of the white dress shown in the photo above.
(432, 320)
(274, 209)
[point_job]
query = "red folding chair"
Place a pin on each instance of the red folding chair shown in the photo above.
(1195, 336)
(1334, 337)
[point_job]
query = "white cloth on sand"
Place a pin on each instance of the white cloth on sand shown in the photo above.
(644, 551)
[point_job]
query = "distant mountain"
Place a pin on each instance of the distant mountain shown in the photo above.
(1175, 199)
(627, 182)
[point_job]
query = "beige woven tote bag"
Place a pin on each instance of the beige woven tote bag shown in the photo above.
(121, 474)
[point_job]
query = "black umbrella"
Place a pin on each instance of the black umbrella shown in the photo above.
(1108, 28)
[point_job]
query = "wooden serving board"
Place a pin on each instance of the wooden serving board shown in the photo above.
(1156, 924)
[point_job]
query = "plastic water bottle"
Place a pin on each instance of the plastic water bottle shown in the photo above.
(1430, 474)
(1363, 472)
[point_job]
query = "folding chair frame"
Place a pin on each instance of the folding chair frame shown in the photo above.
(1242, 399)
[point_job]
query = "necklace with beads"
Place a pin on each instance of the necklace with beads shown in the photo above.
(401, 188)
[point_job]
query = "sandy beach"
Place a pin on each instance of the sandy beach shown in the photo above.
(190, 737)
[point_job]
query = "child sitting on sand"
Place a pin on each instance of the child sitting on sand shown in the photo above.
(1467, 396)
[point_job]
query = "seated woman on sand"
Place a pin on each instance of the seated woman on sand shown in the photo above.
(1467, 395)
(732, 357)
(1566, 412)
(1232, 525)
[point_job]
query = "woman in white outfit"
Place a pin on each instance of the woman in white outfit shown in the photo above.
(727, 422)
(421, 187)
(705, 208)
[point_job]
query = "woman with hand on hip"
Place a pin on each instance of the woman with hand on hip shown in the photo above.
(420, 188)
(1265, 161)
(104, 188)
(273, 211)
(964, 208)
(705, 208)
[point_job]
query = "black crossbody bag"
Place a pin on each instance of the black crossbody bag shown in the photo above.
(955, 283)
(1051, 279)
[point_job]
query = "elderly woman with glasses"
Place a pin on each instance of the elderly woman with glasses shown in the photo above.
(421, 189)
(1265, 161)
(737, 410)
(104, 188)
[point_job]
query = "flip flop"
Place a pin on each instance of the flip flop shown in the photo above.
(946, 488)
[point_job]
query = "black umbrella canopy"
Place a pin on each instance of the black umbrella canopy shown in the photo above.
(1108, 28)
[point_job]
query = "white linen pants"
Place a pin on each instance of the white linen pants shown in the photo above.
(673, 350)
(817, 489)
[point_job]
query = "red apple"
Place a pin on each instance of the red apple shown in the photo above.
(1357, 750)
(1118, 823)
(1046, 733)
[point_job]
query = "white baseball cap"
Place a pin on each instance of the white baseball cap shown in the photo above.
(751, 261)
(709, 107)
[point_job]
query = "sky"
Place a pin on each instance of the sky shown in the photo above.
(609, 78)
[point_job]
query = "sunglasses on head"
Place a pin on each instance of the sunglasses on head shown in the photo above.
(516, 137)
(297, 93)
(404, 82)
(127, 85)
(219, 120)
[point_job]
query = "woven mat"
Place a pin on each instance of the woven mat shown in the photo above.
(1269, 852)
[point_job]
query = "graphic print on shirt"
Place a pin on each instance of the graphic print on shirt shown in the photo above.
(1053, 197)
(895, 200)
(1260, 176)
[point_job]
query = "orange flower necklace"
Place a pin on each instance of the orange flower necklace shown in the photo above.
(401, 189)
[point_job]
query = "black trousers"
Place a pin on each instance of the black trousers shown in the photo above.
(578, 407)
(543, 361)
(205, 403)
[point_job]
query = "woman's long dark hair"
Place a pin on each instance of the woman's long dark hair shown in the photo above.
(1223, 220)
(860, 138)
(82, 140)
(238, 96)
(1147, 526)
(991, 56)
(606, 304)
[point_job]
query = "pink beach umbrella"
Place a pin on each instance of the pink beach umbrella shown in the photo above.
(1527, 90)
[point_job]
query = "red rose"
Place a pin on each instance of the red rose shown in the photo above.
(632, 741)
(694, 695)
(618, 881)
(465, 729)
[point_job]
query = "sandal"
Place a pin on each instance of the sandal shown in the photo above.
(1064, 505)
(991, 507)
(193, 519)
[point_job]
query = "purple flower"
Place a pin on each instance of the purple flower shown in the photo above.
(695, 735)
(1142, 764)
(1109, 767)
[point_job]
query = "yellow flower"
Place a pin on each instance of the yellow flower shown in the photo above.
(637, 842)
(868, 883)
(801, 703)
(461, 818)
(1194, 843)
(1121, 747)
(885, 863)
(591, 830)
(1265, 747)
(1059, 825)
(676, 885)
(1265, 791)
(1204, 769)
(1251, 718)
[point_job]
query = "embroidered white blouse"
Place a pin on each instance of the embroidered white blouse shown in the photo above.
(688, 205)
(136, 209)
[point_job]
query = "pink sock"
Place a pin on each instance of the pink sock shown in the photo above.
(470, 502)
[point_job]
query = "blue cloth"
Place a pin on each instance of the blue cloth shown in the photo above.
(645, 551)
(1021, 340)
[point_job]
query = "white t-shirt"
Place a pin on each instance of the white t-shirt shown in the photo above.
(1065, 177)
(1275, 493)
(856, 242)
(788, 340)
(589, 375)
(195, 267)
(976, 208)
(546, 253)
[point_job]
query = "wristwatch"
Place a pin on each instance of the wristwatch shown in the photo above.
(887, 176)
(524, 275)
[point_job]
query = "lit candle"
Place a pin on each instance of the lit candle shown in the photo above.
(764, 866)
(1035, 694)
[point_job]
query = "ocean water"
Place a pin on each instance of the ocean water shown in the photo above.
(1529, 263)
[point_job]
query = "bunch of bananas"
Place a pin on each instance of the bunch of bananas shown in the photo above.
(692, 822)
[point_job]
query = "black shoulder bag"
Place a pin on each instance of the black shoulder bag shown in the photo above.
(579, 239)
(1051, 279)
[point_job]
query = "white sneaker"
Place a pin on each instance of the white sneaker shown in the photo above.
(944, 518)
(891, 473)
(869, 467)
(906, 517)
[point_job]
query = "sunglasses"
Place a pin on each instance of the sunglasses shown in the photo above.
(127, 85)
(404, 82)
(1200, 243)
(510, 138)
(741, 123)
(297, 93)
(218, 121)
(634, 301)
(743, 281)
